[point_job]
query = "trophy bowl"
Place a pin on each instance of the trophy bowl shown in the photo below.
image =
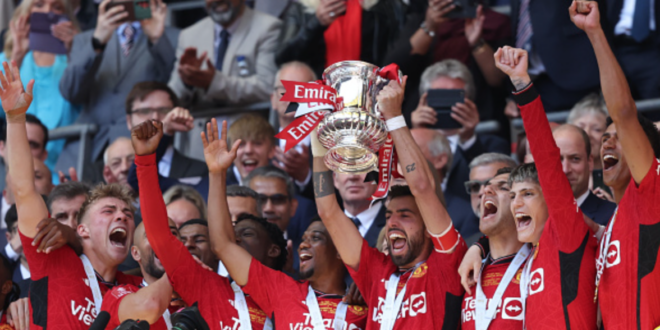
(353, 135)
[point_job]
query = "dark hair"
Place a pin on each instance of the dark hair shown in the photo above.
(68, 190)
(5, 275)
(524, 172)
(399, 191)
(11, 217)
(241, 191)
(649, 129)
(142, 89)
(583, 134)
(275, 235)
(29, 119)
(270, 171)
(504, 170)
(194, 222)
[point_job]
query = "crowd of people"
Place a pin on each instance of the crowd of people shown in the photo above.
(556, 230)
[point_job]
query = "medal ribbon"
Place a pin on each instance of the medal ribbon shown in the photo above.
(93, 283)
(602, 252)
(315, 312)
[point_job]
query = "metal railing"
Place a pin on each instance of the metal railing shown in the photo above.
(84, 132)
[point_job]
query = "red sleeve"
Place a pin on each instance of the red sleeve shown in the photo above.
(266, 286)
(111, 301)
(565, 219)
(372, 268)
(647, 195)
(41, 264)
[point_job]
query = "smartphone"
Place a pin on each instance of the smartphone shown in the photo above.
(137, 9)
(41, 35)
(441, 100)
(464, 9)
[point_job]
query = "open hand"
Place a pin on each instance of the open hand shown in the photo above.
(470, 268)
(196, 76)
(108, 21)
(474, 27)
(218, 157)
(15, 100)
(146, 136)
(390, 98)
(423, 116)
(177, 120)
(189, 57)
(19, 31)
(155, 26)
(328, 11)
(585, 15)
(467, 115)
(436, 12)
(354, 297)
(18, 314)
(513, 62)
(73, 174)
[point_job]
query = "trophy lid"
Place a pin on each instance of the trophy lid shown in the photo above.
(352, 80)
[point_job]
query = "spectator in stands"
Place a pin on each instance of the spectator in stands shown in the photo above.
(105, 64)
(226, 58)
(117, 160)
(44, 66)
(257, 146)
(280, 204)
(483, 168)
(14, 251)
(590, 114)
(184, 203)
(37, 136)
(65, 200)
(355, 194)
(296, 162)
(321, 33)
(8, 290)
(155, 100)
(241, 201)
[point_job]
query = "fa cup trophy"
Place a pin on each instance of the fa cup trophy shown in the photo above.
(354, 134)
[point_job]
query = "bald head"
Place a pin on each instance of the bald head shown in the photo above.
(139, 235)
(574, 133)
(435, 148)
(292, 71)
(575, 149)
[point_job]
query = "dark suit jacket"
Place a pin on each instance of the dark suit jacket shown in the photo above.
(17, 278)
(613, 14)
(559, 43)
(379, 222)
(597, 209)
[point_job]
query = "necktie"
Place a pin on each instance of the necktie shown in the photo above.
(524, 32)
(129, 36)
(356, 221)
(641, 20)
(222, 49)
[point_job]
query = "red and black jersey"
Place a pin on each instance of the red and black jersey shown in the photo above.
(191, 281)
(283, 299)
(112, 300)
(433, 291)
(629, 290)
(510, 314)
(563, 272)
(60, 293)
(3, 322)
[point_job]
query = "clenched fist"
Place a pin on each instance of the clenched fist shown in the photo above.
(146, 136)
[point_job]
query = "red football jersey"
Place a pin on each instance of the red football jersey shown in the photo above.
(433, 293)
(284, 298)
(191, 281)
(509, 315)
(629, 291)
(3, 322)
(113, 298)
(60, 295)
(562, 284)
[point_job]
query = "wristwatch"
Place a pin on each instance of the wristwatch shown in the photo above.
(480, 43)
(97, 44)
(426, 30)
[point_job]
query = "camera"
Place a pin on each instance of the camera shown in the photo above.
(189, 319)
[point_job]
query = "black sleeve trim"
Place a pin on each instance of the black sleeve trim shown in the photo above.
(526, 95)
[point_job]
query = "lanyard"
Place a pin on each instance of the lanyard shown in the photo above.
(393, 301)
(166, 315)
(602, 252)
(485, 316)
(526, 278)
(315, 312)
(93, 283)
(243, 312)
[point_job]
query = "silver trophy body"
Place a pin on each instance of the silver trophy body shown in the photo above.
(354, 134)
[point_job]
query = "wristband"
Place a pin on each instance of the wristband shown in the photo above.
(447, 241)
(395, 123)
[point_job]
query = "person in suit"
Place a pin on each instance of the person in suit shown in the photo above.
(105, 64)
(561, 61)
(271, 7)
(227, 57)
(636, 43)
(155, 100)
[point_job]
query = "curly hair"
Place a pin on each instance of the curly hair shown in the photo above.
(113, 190)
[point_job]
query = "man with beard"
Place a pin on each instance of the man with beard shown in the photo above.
(67, 290)
(557, 282)
(627, 272)
(226, 58)
(496, 299)
(220, 301)
(315, 302)
(417, 286)
(149, 301)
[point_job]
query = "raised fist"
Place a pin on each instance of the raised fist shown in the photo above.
(585, 15)
(390, 98)
(146, 136)
(513, 62)
(177, 120)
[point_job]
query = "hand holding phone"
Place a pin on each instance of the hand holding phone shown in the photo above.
(442, 101)
(49, 32)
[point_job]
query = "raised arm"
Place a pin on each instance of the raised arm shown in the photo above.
(218, 159)
(415, 167)
(15, 102)
(148, 304)
(620, 104)
(343, 231)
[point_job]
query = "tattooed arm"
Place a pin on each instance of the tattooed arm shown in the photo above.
(415, 167)
(346, 236)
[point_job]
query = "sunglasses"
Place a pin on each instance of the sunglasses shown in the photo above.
(276, 199)
(472, 187)
(147, 111)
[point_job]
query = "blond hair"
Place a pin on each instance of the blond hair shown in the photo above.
(101, 191)
(24, 9)
(251, 128)
(186, 193)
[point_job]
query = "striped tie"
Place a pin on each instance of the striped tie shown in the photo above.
(524, 33)
(129, 36)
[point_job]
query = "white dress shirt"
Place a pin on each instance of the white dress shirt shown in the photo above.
(165, 163)
(11, 254)
(5, 207)
(366, 217)
(25, 273)
(238, 176)
(625, 24)
(454, 143)
(580, 200)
